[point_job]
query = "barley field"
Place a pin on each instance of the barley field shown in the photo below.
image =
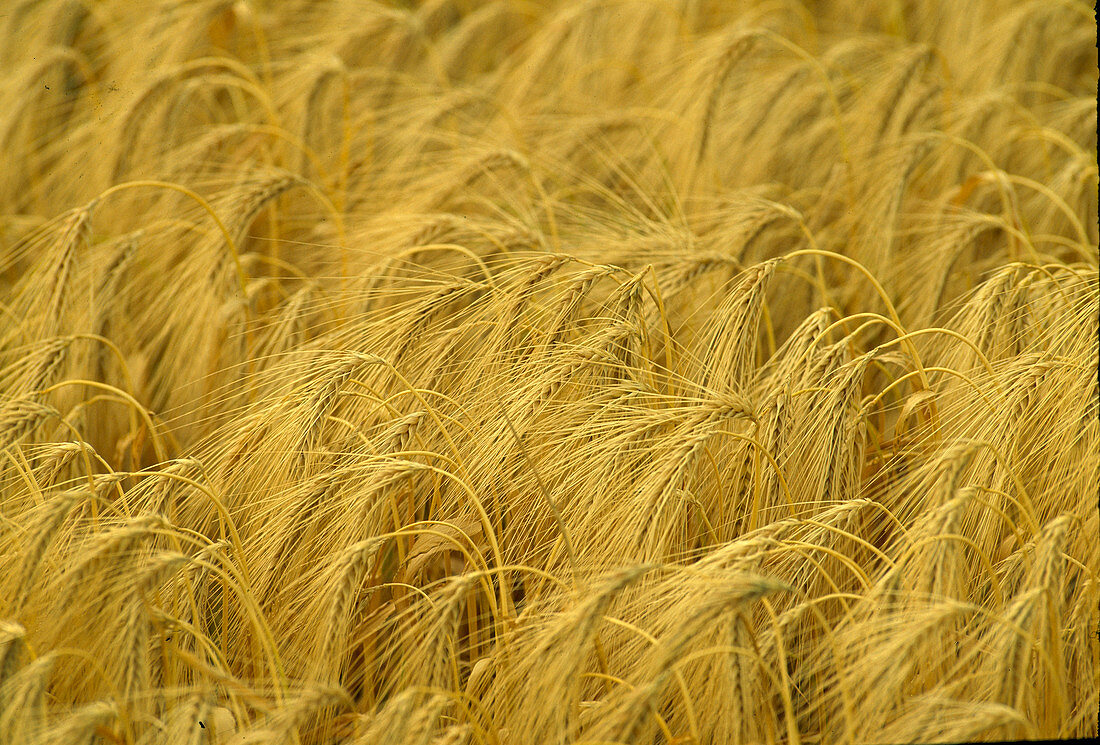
(522, 372)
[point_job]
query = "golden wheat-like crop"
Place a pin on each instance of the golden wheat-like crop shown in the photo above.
(551, 372)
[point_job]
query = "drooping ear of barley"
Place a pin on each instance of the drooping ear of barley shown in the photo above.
(308, 711)
(11, 649)
(133, 659)
(101, 550)
(185, 722)
(571, 636)
(82, 725)
(410, 716)
(630, 713)
(24, 714)
(42, 296)
(42, 530)
(349, 573)
(38, 368)
(20, 417)
(738, 47)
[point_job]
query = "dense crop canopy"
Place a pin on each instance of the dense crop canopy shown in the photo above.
(594, 371)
